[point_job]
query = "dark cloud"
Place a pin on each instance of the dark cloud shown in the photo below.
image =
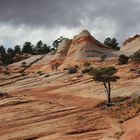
(41, 12)
(57, 14)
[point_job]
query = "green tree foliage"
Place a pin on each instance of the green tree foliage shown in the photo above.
(2, 50)
(17, 49)
(87, 64)
(45, 49)
(106, 76)
(3, 55)
(123, 59)
(57, 42)
(11, 52)
(27, 48)
(112, 43)
(136, 56)
(72, 70)
(7, 57)
(41, 48)
(38, 47)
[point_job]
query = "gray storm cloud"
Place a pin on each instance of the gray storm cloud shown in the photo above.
(115, 18)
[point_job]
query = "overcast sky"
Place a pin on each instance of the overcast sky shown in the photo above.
(46, 20)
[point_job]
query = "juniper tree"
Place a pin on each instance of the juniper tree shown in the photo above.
(123, 59)
(112, 43)
(106, 76)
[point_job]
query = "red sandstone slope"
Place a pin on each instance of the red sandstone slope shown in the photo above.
(63, 106)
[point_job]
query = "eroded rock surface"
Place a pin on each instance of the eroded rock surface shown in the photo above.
(131, 45)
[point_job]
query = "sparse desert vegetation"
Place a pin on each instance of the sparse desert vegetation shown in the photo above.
(71, 94)
(123, 59)
(69, 69)
(136, 56)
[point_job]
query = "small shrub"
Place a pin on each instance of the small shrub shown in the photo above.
(77, 67)
(79, 76)
(23, 64)
(102, 58)
(65, 68)
(47, 75)
(3, 95)
(40, 73)
(123, 59)
(136, 56)
(22, 72)
(86, 64)
(133, 69)
(86, 70)
(6, 73)
(72, 70)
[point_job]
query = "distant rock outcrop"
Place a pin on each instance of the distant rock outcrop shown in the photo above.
(85, 47)
(131, 45)
(82, 48)
(62, 50)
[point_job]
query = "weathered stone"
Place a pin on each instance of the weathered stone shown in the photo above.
(131, 45)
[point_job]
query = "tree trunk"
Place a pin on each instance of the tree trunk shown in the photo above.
(108, 90)
(109, 93)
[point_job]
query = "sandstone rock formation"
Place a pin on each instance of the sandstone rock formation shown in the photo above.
(62, 51)
(131, 45)
(85, 47)
(58, 57)
(82, 48)
(65, 107)
(60, 106)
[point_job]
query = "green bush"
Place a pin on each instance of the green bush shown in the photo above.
(86, 64)
(123, 59)
(136, 56)
(40, 73)
(72, 70)
(47, 75)
(3, 94)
